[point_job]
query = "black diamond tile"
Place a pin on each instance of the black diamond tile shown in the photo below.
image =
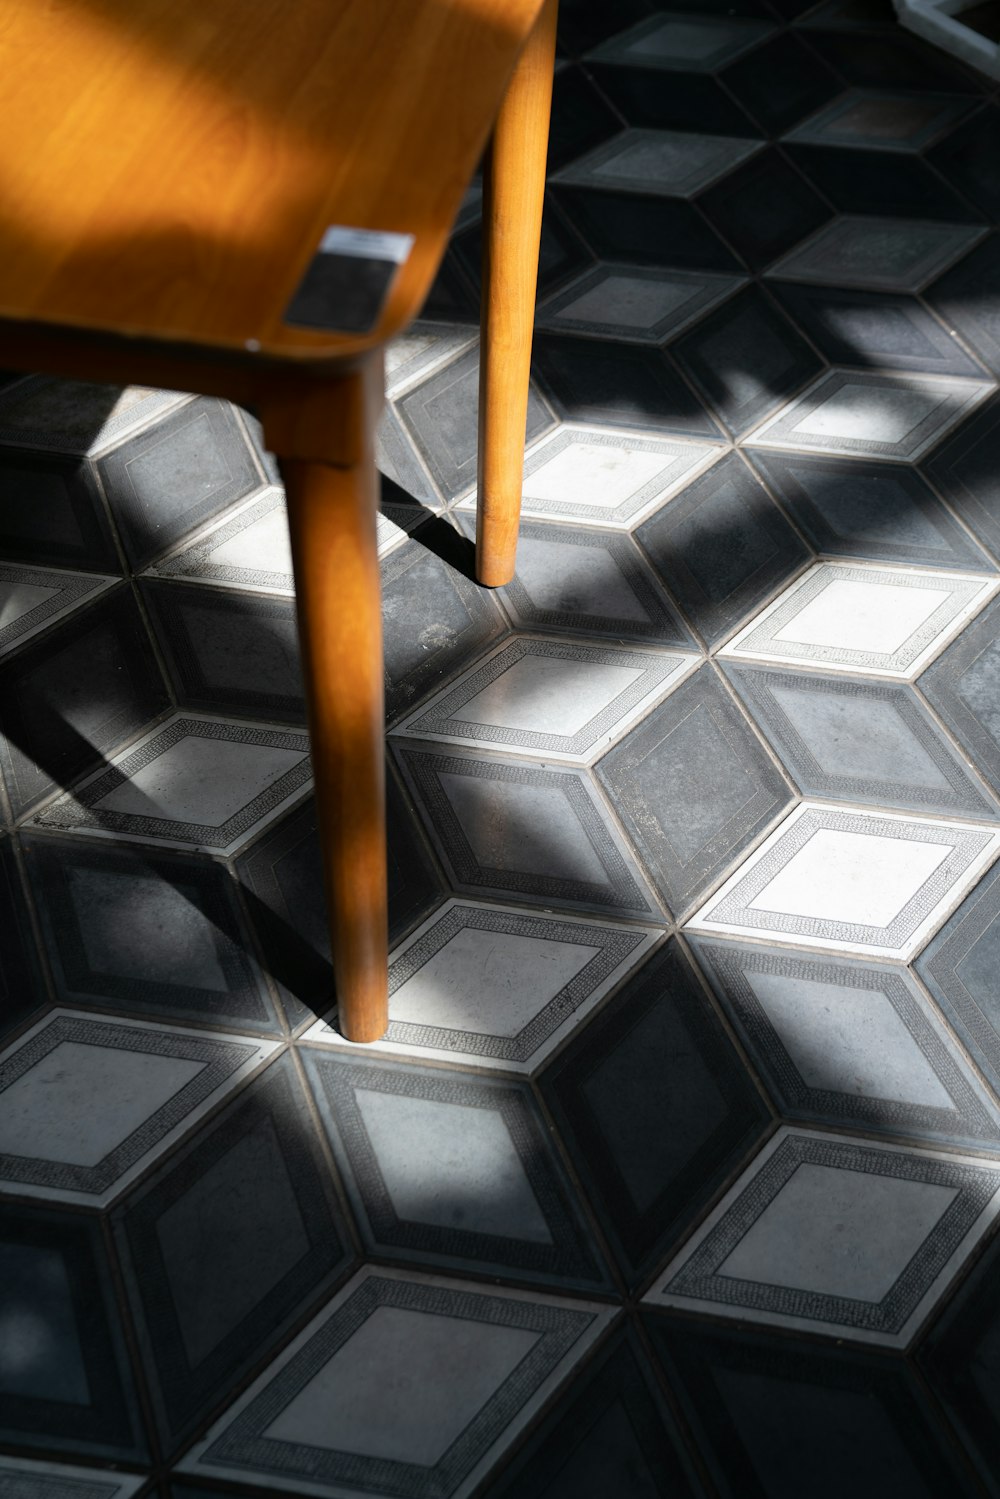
(960, 969)
(745, 358)
(562, 254)
(228, 652)
(962, 686)
(454, 1171)
(692, 787)
(70, 698)
(884, 512)
(21, 987)
(890, 61)
(51, 512)
(589, 380)
(613, 1433)
(683, 101)
(442, 415)
(968, 298)
(403, 478)
(877, 331)
(843, 15)
(75, 416)
(176, 475)
(967, 159)
(966, 470)
(645, 230)
(878, 120)
(880, 182)
(581, 117)
(721, 547)
(780, 82)
(229, 1244)
(764, 208)
(783, 1419)
(434, 621)
(145, 932)
(655, 1108)
(858, 741)
(511, 829)
(282, 880)
(64, 1373)
(452, 297)
(584, 23)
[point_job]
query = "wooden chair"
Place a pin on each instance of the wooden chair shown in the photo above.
(177, 177)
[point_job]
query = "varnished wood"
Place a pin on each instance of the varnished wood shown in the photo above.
(513, 190)
(332, 513)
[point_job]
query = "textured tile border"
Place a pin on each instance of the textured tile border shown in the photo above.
(22, 1479)
(737, 35)
(707, 290)
(71, 589)
(194, 561)
(962, 237)
(594, 169)
(940, 967)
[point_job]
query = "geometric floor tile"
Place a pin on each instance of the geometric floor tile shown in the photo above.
(548, 699)
(64, 1370)
(32, 599)
(153, 1083)
(683, 43)
(77, 416)
(879, 512)
(404, 1385)
(960, 968)
(827, 1234)
(613, 1433)
(605, 478)
(667, 163)
(968, 298)
(965, 470)
(877, 253)
(21, 986)
(198, 783)
(862, 118)
(59, 520)
(785, 1419)
(870, 883)
(878, 416)
(693, 788)
(721, 547)
(451, 1170)
(638, 303)
(766, 206)
(875, 621)
(604, 383)
(248, 549)
(227, 1245)
(22, 1479)
(962, 686)
(146, 932)
(539, 833)
(498, 986)
(846, 1044)
(858, 741)
(419, 351)
(655, 1108)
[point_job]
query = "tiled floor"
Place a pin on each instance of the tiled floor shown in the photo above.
(678, 1171)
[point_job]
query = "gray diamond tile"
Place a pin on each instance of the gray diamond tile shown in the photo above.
(77, 416)
(248, 549)
(962, 686)
(867, 119)
(850, 1045)
(683, 42)
(825, 1234)
(196, 783)
(692, 787)
(968, 298)
(20, 1478)
(548, 699)
(640, 304)
(965, 471)
(882, 254)
(858, 741)
(876, 884)
(154, 1083)
(32, 599)
(960, 968)
(879, 416)
(60, 520)
(662, 163)
(445, 1169)
(405, 1381)
(497, 986)
(422, 349)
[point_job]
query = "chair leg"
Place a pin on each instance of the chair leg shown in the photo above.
(332, 515)
(513, 189)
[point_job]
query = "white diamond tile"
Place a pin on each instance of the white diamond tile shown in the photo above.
(33, 598)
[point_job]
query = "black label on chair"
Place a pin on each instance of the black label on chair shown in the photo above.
(348, 280)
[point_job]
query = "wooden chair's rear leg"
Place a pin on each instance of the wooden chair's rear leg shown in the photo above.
(513, 189)
(332, 514)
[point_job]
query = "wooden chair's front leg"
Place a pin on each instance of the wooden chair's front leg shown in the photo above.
(513, 190)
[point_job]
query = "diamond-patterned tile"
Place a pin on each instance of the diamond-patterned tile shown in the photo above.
(655, 1107)
(498, 986)
(249, 549)
(965, 158)
(199, 783)
(77, 416)
(882, 254)
(145, 932)
(614, 384)
(154, 1083)
(859, 741)
(865, 118)
(882, 512)
(828, 1234)
(402, 1380)
(764, 208)
(64, 1370)
(692, 787)
(59, 520)
(849, 1045)
(644, 229)
(960, 967)
(964, 469)
(33, 599)
(870, 883)
(21, 987)
(422, 349)
(695, 102)
(968, 298)
(665, 163)
(226, 1246)
(20, 1476)
(780, 81)
(683, 42)
(452, 1171)
(962, 687)
(721, 547)
(876, 621)
(546, 699)
(633, 303)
